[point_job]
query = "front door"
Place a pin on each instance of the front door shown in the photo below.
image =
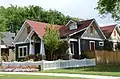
(92, 45)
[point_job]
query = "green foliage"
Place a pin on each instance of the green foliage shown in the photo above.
(51, 39)
(110, 7)
(12, 17)
(61, 51)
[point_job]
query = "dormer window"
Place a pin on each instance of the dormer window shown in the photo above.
(72, 26)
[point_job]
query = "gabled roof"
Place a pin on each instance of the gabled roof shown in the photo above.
(107, 30)
(40, 27)
(7, 38)
(82, 25)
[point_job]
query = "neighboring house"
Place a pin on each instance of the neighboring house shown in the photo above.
(112, 34)
(83, 36)
(7, 48)
(29, 38)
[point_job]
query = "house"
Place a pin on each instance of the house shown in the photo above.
(29, 39)
(83, 36)
(7, 48)
(112, 34)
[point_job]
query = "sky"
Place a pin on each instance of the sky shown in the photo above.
(83, 9)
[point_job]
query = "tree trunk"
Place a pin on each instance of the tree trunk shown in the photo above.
(51, 55)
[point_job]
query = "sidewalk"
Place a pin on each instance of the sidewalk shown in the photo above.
(62, 74)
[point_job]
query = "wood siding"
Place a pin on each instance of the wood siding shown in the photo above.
(86, 47)
(95, 34)
(113, 37)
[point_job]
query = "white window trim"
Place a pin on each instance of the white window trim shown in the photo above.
(72, 47)
(100, 43)
(22, 51)
(90, 44)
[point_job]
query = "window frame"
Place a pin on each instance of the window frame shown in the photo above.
(22, 47)
(100, 43)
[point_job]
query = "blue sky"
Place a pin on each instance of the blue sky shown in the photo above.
(76, 8)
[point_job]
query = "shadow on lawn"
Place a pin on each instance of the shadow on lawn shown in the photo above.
(99, 68)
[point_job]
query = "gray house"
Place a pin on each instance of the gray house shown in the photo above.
(29, 40)
(83, 36)
(7, 48)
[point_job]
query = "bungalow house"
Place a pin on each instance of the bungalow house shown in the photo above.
(7, 48)
(112, 34)
(83, 36)
(29, 39)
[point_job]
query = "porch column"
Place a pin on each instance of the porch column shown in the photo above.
(69, 49)
(42, 48)
(79, 45)
(31, 49)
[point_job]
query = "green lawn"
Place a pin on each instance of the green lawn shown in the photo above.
(109, 70)
(6, 76)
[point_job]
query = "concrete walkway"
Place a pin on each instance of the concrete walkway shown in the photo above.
(63, 74)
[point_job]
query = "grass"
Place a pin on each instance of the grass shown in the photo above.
(6, 76)
(106, 70)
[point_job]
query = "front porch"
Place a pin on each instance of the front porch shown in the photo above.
(33, 45)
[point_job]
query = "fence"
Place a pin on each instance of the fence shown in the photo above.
(107, 57)
(46, 65)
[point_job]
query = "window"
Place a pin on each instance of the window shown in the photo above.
(101, 43)
(22, 51)
(91, 29)
(114, 33)
(73, 26)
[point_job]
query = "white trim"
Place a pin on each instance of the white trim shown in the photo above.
(113, 31)
(101, 43)
(91, 38)
(77, 32)
(29, 35)
(22, 51)
(87, 29)
(100, 29)
(20, 31)
(72, 47)
(70, 21)
(3, 46)
(90, 44)
(94, 27)
(72, 39)
(114, 43)
(79, 45)
(19, 42)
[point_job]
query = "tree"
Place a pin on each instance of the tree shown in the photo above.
(51, 39)
(12, 17)
(110, 7)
